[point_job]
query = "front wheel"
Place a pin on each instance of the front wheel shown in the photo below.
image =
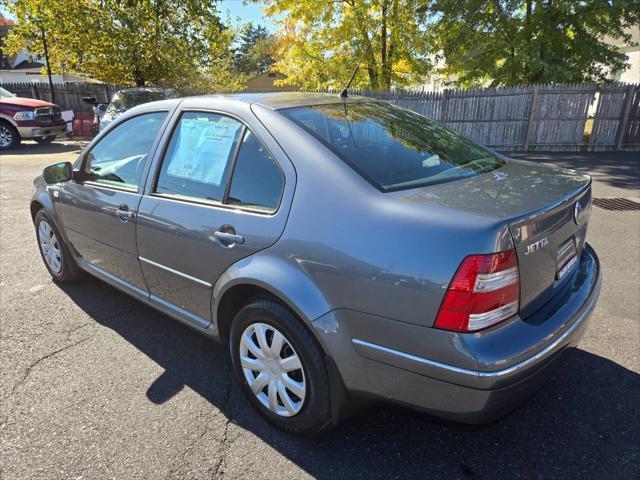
(9, 136)
(54, 251)
(45, 140)
(280, 367)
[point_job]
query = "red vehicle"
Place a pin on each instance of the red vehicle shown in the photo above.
(28, 118)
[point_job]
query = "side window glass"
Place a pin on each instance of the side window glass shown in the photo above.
(257, 181)
(198, 159)
(119, 158)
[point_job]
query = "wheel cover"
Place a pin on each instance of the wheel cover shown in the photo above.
(49, 246)
(272, 369)
(5, 136)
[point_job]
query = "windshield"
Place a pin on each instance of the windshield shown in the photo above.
(5, 93)
(393, 148)
(124, 100)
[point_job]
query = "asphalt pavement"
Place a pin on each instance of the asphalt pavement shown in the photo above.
(95, 385)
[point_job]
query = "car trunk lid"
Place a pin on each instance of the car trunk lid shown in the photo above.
(538, 203)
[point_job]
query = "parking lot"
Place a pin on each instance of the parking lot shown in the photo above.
(96, 385)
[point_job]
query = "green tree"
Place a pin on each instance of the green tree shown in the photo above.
(254, 52)
(177, 43)
(518, 42)
(322, 41)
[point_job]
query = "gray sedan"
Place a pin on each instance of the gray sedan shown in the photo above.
(342, 248)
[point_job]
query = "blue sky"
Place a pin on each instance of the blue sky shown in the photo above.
(248, 13)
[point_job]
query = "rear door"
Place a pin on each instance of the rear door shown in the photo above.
(99, 212)
(221, 192)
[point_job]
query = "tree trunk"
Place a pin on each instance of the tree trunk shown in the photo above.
(386, 79)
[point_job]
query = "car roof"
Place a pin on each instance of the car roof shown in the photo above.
(282, 100)
(274, 100)
(145, 89)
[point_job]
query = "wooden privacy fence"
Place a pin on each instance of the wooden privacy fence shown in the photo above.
(541, 117)
(67, 95)
(538, 117)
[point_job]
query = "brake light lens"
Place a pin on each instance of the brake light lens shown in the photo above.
(484, 291)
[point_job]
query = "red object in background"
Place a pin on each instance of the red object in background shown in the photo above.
(82, 126)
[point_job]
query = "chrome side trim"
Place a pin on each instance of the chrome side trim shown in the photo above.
(175, 272)
(477, 373)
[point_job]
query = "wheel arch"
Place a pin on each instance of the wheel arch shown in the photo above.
(9, 120)
(268, 276)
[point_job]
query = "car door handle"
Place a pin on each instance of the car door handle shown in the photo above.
(124, 214)
(228, 238)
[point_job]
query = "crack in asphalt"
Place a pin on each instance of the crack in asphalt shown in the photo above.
(33, 365)
(219, 467)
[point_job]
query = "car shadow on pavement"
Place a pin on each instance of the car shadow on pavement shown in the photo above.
(584, 423)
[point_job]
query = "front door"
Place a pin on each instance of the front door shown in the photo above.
(99, 213)
(215, 200)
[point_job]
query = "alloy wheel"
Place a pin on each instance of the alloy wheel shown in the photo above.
(6, 137)
(50, 247)
(272, 369)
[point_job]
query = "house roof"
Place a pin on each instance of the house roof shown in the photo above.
(26, 64)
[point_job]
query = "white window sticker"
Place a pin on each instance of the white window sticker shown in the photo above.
(203, 149)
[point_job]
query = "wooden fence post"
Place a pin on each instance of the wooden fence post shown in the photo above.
(533, 112)
(622, 125)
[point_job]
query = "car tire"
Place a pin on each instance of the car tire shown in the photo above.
(9, 136)
(54, 252)
(308, 414)
(45, 140)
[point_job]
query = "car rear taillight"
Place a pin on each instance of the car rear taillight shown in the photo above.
(484, 291)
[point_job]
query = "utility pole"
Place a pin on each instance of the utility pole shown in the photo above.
(46, 59)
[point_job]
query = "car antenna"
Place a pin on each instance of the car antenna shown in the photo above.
(344, 93)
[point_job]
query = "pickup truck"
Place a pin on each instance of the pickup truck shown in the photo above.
(28, 118)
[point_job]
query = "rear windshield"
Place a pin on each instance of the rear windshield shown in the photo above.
(393, 148)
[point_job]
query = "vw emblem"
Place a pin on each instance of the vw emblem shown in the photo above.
(578, 212)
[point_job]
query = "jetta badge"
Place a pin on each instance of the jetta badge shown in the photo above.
(535, 246)
(578, 212)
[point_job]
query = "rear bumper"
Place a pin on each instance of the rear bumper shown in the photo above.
(474, 378)
(35, 131)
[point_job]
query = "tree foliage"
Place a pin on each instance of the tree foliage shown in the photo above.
(517, 42)
(321, 42)
(179, 43)
(254, 53)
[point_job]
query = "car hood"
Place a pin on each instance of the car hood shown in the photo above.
(517, 188)
(25, 102)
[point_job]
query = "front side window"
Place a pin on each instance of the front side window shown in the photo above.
(119, 158)
(393, 148)
(199, 157)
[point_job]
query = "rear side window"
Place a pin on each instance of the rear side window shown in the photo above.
(257, 181)
(119, 158)
(199, 157)
(393, 148)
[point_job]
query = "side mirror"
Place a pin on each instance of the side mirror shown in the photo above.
(89, 100)
(56, 173)
(102, 107)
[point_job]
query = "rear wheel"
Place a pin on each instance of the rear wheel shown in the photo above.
(44, 140)
(280, 367)
(54, 251)
(9, 136)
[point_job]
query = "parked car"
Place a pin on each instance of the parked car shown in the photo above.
(341, 248)
(128, 98)
(28, 118)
